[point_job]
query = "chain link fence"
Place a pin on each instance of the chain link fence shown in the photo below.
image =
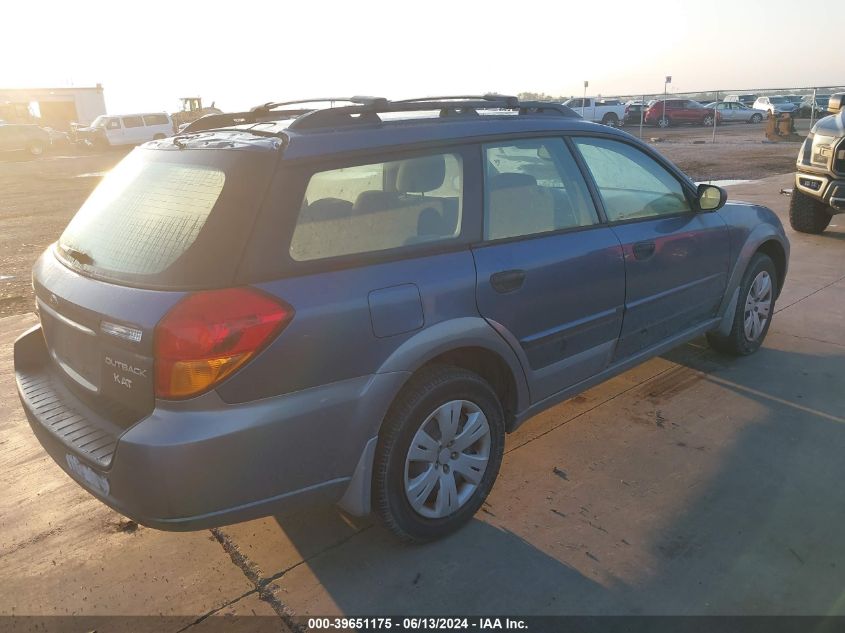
(637, 104)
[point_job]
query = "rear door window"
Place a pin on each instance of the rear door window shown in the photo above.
(132, 121)
(533, 186)
(380, 206)
(155, 119)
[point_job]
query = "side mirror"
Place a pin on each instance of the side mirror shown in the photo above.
(711, 197)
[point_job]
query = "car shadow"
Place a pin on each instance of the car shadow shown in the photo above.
(479, 570)
(759, 534)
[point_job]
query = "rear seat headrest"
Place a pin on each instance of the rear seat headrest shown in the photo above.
(327, 209)
(374, 200)
(419, 175)
(512, 179)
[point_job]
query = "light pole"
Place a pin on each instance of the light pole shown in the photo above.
(665, 93)
(813, 109)
(584, 100)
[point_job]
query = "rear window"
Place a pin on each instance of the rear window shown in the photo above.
(132, 121)
(168, 218)
(379, 206)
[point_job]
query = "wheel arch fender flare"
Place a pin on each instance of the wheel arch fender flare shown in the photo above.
(423, 347)
(764, 237)
(453, 334)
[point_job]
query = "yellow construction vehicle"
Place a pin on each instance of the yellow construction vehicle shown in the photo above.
(192, 110)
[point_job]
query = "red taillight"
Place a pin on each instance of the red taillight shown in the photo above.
(208, 335)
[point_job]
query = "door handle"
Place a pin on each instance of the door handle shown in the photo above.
(507, 280)
(643, 250)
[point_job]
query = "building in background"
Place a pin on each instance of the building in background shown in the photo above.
(53, 107)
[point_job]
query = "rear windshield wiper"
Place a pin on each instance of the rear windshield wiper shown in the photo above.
(83, 258)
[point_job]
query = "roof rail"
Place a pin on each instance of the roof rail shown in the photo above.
(359, 100)
(365, 110)
(485, 97)
(229, 119)
(448, 106)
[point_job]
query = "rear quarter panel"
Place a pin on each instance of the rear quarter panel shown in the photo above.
(333, 335)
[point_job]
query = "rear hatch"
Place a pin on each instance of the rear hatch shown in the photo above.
(167, 220)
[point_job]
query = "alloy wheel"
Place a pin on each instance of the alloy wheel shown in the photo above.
(447, 459)
(758, 304)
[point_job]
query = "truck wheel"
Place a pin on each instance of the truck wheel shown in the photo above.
(756, 118)
(806, 214)
(754, 309)
(438, 453)
(35, 148)
(663, 122)
(610, 120)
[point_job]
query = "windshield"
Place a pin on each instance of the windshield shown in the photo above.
(778, 99)
(168, 218)
(100, 121)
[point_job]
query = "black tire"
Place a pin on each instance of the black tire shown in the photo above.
(737, 343)
(427, 390)
(35, 148)
(756, 118)
(611, 120)
(664, 122)
(806, 214)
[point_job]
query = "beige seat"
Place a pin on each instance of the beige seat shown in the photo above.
(517, 206)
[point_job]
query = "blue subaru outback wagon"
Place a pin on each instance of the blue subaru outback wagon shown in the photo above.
(356, 303)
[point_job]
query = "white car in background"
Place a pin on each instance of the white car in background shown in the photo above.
(777, 104)
(730, 111)
(126, 129)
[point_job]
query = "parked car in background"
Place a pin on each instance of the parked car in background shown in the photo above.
(606, 111)
(796, 99)
(733, 111)
(819, 191)
(634, 111)
(325, 308)
(745, 99)
(815, 109)
(125, 129)
(23, 138)
(777, 104)
(679, 111)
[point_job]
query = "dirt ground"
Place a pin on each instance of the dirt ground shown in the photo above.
(39, 197)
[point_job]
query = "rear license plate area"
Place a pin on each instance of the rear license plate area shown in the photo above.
(74, 348)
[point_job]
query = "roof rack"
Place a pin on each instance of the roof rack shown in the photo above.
(273, 105)
(365, 110)
(468, 105)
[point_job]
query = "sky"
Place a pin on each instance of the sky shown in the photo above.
(147, 54)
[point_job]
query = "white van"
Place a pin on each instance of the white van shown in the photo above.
(127, 129)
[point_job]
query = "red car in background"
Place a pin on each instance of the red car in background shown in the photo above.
(680, 111)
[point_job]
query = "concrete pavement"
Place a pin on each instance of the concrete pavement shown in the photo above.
(693, 484)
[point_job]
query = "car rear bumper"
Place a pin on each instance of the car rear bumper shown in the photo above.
(203, 463)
